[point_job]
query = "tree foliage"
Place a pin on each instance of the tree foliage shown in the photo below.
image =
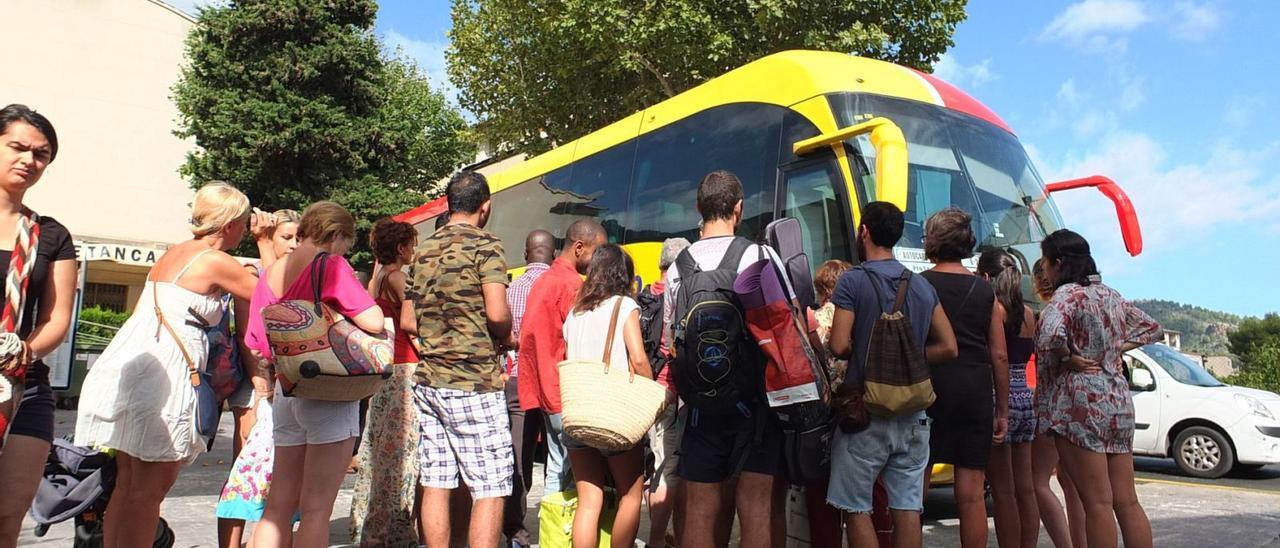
(562, 68)
(1257, 342)
(1204, 331)
(292, 101)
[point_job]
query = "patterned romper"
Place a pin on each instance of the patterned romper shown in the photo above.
(1091, 410)
(1022, 414)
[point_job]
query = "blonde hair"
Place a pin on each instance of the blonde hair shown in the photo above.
(324, 222)
(283, 216)
(216, 205)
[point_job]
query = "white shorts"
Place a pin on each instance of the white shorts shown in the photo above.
(300, 421)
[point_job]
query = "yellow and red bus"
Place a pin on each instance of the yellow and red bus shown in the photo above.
(812, 135)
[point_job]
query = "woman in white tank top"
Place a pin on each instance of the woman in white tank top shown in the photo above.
(609, 280)
(138, 398)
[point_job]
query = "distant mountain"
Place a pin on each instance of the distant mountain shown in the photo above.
(1203, 331)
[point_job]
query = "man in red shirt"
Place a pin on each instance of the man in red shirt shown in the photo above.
(542, 345)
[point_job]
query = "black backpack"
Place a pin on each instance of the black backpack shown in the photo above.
(717, 366)
(651, 328)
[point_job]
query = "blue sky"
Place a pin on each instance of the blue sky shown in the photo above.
(1174, 99)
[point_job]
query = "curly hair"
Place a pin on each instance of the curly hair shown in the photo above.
(388, 236)
(948, 236)
(1040, 282)
(611, 274)
(824, 282)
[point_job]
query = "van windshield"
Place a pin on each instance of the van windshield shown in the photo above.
(1180, 367)
(956, 159)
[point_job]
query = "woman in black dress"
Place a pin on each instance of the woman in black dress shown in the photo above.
(28, 144)
(966, 420)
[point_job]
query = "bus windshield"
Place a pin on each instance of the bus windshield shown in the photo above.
(956, 159)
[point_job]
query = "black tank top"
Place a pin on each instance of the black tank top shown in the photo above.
(1019, 348)
(968, 301)
(963, 385)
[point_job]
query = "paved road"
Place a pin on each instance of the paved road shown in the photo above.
(1164, 470)
(1242, 510)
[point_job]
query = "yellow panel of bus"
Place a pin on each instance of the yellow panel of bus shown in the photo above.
(639, 176)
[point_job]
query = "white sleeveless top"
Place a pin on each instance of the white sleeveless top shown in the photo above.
(585, 332)
(137, 397)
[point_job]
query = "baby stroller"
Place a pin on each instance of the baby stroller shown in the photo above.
(77, 484)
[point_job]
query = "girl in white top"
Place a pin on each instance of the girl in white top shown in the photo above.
(609, 279)
(138, 398)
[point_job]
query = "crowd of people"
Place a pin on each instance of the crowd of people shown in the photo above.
(445, 448)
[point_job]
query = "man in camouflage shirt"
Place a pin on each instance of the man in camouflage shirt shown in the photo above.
(456, 303)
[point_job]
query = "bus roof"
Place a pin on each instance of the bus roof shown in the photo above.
(784, 79)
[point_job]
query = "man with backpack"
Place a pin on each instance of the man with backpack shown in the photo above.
(893, 440)
(719, 373)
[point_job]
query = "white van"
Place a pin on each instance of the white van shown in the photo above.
(1207, 427)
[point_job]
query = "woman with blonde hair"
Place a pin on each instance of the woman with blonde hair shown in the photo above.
(280, 236)
(37, 304)
(138, 398)
(244, 494)
(313, 438)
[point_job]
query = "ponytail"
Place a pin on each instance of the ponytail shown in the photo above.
(1006, 281)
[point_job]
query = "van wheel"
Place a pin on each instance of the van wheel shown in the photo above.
(1203, 452)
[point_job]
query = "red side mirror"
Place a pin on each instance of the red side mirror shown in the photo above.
(1129, 227)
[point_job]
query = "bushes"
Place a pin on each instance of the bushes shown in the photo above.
(89, 334)
(1257, 342)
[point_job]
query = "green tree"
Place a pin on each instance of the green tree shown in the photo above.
(1257, 342)
(543, 71)
(292, 101)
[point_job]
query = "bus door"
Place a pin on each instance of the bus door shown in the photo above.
(812, 191)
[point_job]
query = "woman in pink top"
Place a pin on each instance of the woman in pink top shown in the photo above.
(313, 438)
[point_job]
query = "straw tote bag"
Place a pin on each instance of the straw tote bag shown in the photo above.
(608, 408)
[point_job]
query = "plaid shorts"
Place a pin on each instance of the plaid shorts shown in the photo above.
(465, 433)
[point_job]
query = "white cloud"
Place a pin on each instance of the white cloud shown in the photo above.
(1194, 22)
(1097, 25)
(429, 57)
(1131, 92)
(1242, 111)
(950, 69)
(1067, 92)
(1179, 201)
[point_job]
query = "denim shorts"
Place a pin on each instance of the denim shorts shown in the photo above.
(894, 448)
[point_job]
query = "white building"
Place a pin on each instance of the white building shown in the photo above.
(102, 71)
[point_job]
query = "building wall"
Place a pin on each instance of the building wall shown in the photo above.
(1222, 366)
(102, 71)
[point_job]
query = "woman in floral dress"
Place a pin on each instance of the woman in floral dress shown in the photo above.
(382, 507)
(1084, 331)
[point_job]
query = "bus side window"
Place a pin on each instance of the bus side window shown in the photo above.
(598, 188)
(671, 162)
(536, 203)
